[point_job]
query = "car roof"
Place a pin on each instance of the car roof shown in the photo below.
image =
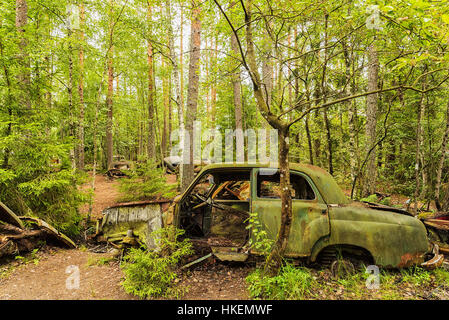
(326, 184)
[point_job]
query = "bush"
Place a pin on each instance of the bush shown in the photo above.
(146, 183)
(290, 284)
(372, 198)
(260, 240)
(152, 274)
(38, 179)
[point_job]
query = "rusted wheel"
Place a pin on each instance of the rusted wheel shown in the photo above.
(341, 268)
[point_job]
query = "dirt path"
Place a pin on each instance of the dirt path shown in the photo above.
(216, 282)
(106, 195)
(47, 279)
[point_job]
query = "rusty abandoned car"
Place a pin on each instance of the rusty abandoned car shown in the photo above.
(214, 210)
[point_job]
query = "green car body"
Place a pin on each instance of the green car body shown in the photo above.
(392, 239)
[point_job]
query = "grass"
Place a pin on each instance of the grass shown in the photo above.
(99, 261)
(31, 257)
(304, 283)
(291, 284)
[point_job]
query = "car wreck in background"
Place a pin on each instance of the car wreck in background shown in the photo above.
(172, 163)
(23, 234)
(326, 226)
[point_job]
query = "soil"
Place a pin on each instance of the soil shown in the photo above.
(45, 277)
(106, 195)
(216, 281)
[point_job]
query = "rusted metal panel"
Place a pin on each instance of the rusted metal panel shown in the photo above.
(436, 262)
(141, 218)
(394, 240)
(310, 223)
(229, 254)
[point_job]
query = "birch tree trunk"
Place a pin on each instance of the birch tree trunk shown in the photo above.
(371, 120)
(352, 118)
(192, 96)
(80, 144)
(110, 93)
(151, 113)
(236, 85)
(24, 78)
(444, 152)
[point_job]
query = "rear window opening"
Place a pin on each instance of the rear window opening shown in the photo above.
(268, 187)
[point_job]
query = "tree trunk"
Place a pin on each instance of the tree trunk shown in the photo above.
(175, 71)
(151, 122)
(23, 57)
(110, 94)
(419, 165)
(324, 93)
(371, 120)
(444, 152)
(352, 117)
(236, 85)
(192, 96)
(9, 99)
(418, 151)
(73, 153)
(214, 85)
(80, 144)
(166, 100)
(274, 261)
(309, 141)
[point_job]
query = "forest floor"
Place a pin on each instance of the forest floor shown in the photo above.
(44, 274)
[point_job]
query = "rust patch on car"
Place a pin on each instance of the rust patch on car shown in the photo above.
(410, 259)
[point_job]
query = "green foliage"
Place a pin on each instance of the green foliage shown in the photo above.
(38, 179)
(31, 257)
(102, 261)
(386, 201)
(146, 182)
(416, 276)
(290, 284)
(152, 274)
(372, 198)
(441, 277)
(259, 240)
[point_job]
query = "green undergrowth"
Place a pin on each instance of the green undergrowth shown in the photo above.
(154, 274)
(147, 182)
(300, 283)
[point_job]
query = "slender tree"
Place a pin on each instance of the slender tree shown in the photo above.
(192, 95)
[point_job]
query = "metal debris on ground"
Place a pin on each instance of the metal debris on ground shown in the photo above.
(131, 224)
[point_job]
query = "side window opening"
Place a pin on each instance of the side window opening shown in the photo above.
(268, 187)
(204, 186)
(216, 209)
